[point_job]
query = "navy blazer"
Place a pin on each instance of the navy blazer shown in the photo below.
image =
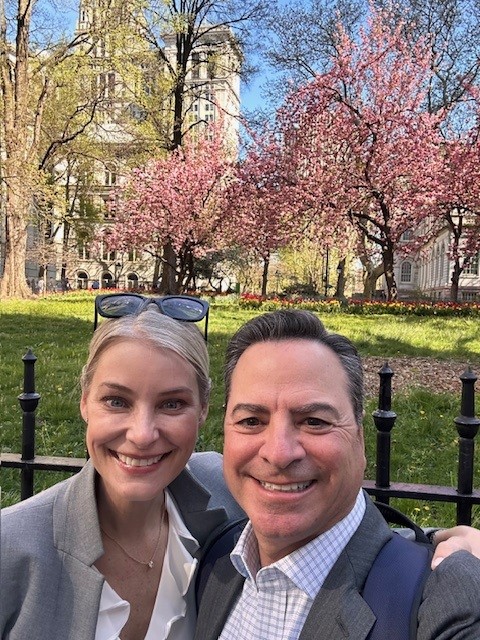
(49, 588)
(450, 608)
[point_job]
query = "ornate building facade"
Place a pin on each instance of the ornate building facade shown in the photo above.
(210, 92)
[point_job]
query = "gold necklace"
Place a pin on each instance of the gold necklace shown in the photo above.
(148, 563)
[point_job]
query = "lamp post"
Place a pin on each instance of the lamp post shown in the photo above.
(325, 277)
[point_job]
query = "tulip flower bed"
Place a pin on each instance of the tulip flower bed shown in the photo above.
(361, 307)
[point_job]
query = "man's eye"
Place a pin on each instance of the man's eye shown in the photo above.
(318, 423)
(249, 422)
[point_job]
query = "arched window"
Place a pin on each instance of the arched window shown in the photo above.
(132, 281)
(82, 280)
(406, 272)
(107, 280)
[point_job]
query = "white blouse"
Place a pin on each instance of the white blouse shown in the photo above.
(174, 614)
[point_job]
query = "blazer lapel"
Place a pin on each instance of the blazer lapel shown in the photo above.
(202, 496)
(77, 536)
(192, 501)
(221, 592)
(339, 611)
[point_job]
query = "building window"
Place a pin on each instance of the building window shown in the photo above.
(406, 235)
(107, 255)
(195, 66)
(82, 280)
(469, 296)
(110, 177)
(132, 281)
(132, 255)
(472, 267)
(107, 280)
(111, 84)
(211, 64)
(83, 252)
(406, 272)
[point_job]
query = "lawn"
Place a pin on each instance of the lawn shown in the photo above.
(58, 329)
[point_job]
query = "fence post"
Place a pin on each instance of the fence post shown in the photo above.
(28, 403)
(384, 419)
(467, 426)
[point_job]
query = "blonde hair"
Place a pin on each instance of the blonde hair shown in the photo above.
(161, 332)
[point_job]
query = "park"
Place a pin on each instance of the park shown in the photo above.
(427, 353)
(224, 159)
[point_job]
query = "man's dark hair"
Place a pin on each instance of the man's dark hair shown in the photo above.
(293, 324)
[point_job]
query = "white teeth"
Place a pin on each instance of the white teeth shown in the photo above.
(288, 488)
(138, 462)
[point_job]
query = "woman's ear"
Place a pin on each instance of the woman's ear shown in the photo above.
(83, 407)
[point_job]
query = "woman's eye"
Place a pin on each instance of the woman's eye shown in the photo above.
(171, 405)
(115, 402)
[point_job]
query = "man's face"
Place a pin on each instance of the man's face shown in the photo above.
(294, 454)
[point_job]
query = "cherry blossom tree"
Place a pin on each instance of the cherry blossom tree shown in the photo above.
(362, 139)
(266, 209)
(457, 203)
(177, 200)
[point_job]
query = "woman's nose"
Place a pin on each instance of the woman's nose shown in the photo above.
(143, 430)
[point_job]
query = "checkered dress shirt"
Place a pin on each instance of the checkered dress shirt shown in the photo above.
(276, 599)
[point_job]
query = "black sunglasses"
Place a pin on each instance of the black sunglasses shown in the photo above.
(183, 308)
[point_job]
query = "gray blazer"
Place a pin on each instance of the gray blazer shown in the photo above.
(450, 607)
(49, 588)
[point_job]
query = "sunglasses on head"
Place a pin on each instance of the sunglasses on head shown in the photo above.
(183, 308)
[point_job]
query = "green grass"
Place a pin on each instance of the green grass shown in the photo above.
(58, 329)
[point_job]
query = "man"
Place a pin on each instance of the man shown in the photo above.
(294, 460)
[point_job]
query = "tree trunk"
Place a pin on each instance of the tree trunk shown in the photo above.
(266, 263)
(370, 276)
(387, 257)
(340, 289)
(168, 282)
(455, 280)
(17, 150)
(156, 273)
(17, 206)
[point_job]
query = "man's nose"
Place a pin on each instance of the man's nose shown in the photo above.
(281, 445)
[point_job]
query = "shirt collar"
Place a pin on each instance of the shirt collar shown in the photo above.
(308, 566)
(170, 605)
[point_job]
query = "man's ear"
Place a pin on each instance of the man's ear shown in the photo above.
(203, 415)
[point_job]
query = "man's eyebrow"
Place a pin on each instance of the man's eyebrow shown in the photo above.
(249, 407)
(312, 407)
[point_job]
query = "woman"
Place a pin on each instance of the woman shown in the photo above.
(110, 553)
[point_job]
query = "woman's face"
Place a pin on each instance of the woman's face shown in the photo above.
(143, 412)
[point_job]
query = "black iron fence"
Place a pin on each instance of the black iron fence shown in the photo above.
(466, 424)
